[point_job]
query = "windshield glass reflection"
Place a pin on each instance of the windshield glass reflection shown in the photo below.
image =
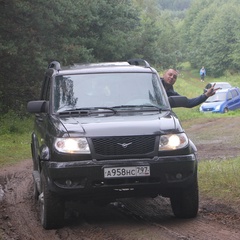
(107, 90)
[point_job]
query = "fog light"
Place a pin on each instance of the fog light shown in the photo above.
(179, 176)
(68, 183)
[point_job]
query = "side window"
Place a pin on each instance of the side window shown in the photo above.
(234, 93)
(229, 95)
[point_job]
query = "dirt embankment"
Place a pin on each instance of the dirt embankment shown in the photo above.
(134, 219)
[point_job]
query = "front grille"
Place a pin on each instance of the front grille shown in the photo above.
(208, 109)
(134, 145)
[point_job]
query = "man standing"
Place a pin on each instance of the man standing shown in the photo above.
(202, 73)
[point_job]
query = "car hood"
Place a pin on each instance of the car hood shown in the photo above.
(211, 104)
(122, 125)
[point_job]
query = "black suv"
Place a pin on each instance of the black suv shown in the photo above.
(106, 131)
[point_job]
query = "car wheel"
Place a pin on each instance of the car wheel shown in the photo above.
(185, 203)
(225, 110)
(51, 208)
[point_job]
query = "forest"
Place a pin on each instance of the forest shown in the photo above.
(164, 32)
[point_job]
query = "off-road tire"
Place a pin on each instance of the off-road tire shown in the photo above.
(185, 202)
(51, 208)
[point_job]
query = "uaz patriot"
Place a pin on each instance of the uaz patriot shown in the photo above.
(106, 131)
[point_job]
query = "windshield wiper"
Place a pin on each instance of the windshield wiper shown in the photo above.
(89, 110)
(163, 108)
(104, 108)
(140, 106)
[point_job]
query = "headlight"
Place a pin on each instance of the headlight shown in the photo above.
(217, 108)
(172, 141)
(72, 145)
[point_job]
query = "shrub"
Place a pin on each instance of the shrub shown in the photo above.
(13, 123)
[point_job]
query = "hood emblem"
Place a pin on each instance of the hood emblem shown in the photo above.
(124, 145)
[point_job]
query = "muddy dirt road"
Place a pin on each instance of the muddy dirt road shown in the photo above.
(135, 219)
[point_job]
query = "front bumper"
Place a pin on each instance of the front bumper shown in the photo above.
(86, 178)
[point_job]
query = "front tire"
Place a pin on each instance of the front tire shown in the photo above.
(51, 208)
(35, 191)
(225, 110)
(185, 203)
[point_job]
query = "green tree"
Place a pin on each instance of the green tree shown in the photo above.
(157, 38)
(174, 5)
(111, 32)
(38, 31)
(211, 35)
(147, 34)
(35, 32)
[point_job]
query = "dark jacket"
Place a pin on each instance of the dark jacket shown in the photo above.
(192, 102)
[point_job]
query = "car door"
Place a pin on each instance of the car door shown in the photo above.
(236, 98)
(232, 99)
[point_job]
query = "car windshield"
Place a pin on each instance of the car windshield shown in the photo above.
(108, 90)
(222, 85)
(217, 97)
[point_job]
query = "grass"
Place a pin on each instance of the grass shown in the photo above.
(217, 179)
(14, 148)
(189, 84)
(220, 179)
(15, 135)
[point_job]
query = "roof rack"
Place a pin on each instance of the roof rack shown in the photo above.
(135, 61)
(77, 65)
(139, 62)
(55, 64)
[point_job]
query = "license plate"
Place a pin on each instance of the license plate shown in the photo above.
(120, 172)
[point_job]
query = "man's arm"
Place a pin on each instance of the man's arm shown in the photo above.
(193, 102)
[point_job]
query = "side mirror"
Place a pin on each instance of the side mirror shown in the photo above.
(40, 106)
(178, 101)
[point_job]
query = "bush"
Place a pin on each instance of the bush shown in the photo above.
(13, 123)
